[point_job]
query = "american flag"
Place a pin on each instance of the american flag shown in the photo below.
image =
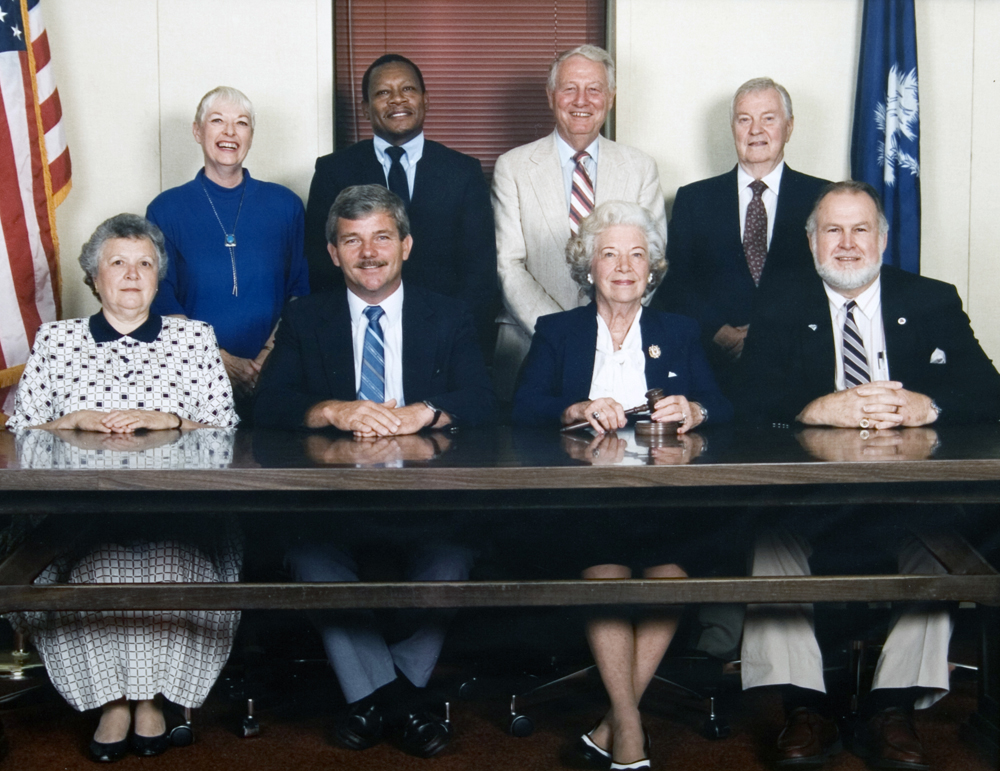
(34, 179)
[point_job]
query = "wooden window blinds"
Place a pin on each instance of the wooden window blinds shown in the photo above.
(484, 64)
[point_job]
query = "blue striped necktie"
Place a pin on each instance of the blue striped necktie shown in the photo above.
(855, 362)
(373, 359)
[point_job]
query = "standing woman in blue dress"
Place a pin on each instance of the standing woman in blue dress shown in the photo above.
(235, 243)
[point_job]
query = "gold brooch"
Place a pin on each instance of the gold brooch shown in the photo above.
(654, 351)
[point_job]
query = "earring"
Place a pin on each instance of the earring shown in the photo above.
(650, 279)
(590, 279)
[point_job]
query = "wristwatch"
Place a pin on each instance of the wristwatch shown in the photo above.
(704, 412)
(437, 414)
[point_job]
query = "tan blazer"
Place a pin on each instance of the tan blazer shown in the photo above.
(532, 227)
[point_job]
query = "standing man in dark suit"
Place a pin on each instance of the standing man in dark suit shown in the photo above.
(857, 346)
(733, 235)
(374, 361)
(446, 196)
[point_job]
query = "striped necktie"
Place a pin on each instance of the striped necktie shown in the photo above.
(855, 362)
(373, 358)
(581, 201)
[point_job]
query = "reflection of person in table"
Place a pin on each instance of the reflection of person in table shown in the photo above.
(235, 242)
(864, 346)
(122, 370)
(591, 363)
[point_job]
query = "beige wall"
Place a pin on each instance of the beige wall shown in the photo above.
(130, 74)
(131, 71)
(679, 62)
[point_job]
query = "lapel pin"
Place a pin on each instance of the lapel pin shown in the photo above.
(654, 351)
(901, 320)
(813, 327)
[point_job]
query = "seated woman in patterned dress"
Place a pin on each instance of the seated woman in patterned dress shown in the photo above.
(120, 371)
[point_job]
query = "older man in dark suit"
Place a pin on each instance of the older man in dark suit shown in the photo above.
(446, 196)
(379, 363)
(866, 347)
(732, 236)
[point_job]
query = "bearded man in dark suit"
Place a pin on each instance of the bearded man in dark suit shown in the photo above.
(446, 197)
(729, 242)
(864, 346)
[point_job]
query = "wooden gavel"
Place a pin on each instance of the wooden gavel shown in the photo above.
(653, 395)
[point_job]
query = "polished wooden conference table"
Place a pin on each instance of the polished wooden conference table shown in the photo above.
(494, 477)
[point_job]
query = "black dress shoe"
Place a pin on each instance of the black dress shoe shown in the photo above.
(424, 734)
(362, 727)
(808, 740)
(592, 753)
(108, 753)
(149, 746)
(889, 741)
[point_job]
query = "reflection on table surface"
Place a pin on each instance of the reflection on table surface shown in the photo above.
(93, 450)
(499, 447)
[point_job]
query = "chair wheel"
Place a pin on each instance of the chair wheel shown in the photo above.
(467, 690)
(250, 727)
(715, 728)
(182, 736)
(520, 726)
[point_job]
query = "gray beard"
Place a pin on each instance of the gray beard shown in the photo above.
(847, 280)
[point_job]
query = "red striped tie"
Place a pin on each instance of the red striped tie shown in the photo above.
(582, 197)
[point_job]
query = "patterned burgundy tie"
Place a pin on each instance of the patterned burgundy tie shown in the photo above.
(755, 231)
(581, 202)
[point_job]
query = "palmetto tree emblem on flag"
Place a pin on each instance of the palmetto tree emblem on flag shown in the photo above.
(896, 119)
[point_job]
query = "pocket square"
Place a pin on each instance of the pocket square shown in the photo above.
(938, 357)
(813, 327)
(671, 374)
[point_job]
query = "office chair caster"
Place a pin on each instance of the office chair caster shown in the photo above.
(182, 735)
(250, 726)
(519, 725)
(714, 727)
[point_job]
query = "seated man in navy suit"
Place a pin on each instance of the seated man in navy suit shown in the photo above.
(867, 347)
(446, 197)
(378, 359)
(732, 236)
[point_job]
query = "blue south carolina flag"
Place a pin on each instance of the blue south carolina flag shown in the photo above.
(885, 144)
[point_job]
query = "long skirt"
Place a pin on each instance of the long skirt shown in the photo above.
(95, 657)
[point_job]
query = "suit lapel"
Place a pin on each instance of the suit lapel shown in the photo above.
(612, 172)
(336, 345)
(547, 183)
(419, 344)
(785, 231)
(899, 343)
(729, 217)
(581, 351)
(429, 174)
(371, 171)
(818, 353)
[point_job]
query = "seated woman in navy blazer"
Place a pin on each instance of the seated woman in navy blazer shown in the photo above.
(590, 363)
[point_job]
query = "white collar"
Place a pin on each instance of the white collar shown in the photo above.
(868, 301)
(772, 180)
(414, 149)
(566, 151)
(391, 305)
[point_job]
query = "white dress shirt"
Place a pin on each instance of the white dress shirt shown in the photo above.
(392, 335)
(414, 152)
(769, 196)
(567, 164)
(619, 374)
(868, 317)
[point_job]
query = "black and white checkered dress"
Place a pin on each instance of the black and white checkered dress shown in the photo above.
(95, 657)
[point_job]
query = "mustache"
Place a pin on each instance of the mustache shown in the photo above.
(371, 264)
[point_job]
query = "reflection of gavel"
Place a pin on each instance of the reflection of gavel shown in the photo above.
(653, 395)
